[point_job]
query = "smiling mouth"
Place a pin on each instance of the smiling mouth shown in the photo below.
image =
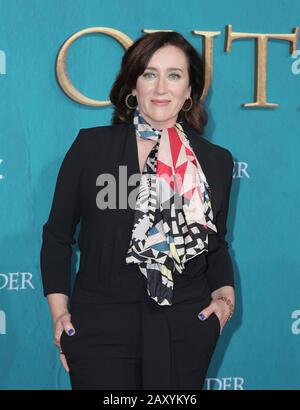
(160, 102)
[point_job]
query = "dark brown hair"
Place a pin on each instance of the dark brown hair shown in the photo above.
(134, 63)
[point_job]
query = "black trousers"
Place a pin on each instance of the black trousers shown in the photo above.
(140, 346)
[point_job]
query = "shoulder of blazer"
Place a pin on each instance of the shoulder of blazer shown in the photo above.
(105, 134)
(221, 152)
(104, 130)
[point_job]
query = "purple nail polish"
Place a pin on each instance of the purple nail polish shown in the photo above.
(70, 332)
(201, 316)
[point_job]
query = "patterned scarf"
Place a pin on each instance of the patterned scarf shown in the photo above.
(173, 214)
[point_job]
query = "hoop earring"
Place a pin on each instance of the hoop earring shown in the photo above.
(126, 102)
(189, 106)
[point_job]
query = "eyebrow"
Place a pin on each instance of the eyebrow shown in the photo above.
(170, 68)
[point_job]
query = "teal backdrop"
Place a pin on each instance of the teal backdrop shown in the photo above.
(259, 347)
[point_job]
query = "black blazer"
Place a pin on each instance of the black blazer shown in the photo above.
(105, 234)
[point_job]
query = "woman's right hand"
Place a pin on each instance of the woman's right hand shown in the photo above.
(63, 324)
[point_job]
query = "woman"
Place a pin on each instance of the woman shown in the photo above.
(155, 285)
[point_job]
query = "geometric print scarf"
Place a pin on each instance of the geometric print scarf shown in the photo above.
(173, 214)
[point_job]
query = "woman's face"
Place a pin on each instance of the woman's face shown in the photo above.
(163, 87)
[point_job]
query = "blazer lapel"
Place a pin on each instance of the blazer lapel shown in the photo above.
(130, 173)
(130, 156)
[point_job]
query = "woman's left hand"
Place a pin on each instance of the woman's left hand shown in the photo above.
(220, 309)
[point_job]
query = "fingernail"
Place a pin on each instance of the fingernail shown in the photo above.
(201, 316)
(71, 331)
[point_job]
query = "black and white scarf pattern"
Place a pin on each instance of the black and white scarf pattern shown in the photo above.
(173, 214)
